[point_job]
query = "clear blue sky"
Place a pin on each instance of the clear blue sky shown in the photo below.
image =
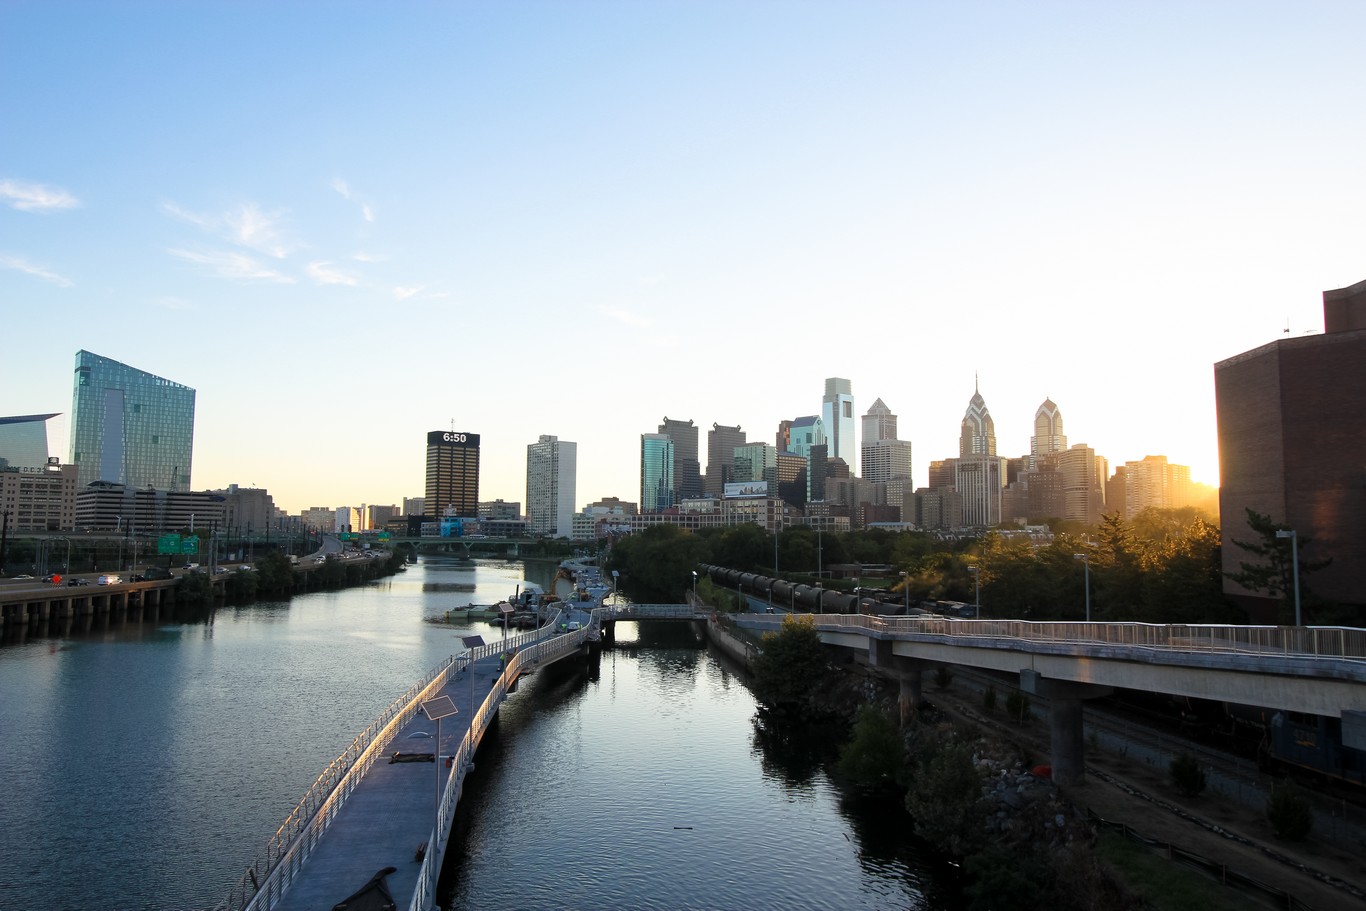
(348, 224)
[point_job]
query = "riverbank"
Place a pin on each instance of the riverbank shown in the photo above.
(1232, 840)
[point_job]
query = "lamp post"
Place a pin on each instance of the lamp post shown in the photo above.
(977, 591)
(694, 589)
(1086, 566)
(906, 590)
(858, 608)
(1294, 564)
(436, 709)
(820, 598)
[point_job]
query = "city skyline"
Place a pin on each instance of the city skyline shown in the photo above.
(1089, 206)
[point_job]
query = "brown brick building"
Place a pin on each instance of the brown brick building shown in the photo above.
(1292, 445)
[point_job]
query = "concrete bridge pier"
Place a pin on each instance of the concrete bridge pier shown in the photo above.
(1067, 742)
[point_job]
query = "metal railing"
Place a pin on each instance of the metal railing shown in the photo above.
(277, 865)
(541, 645)
(1347, 643)
(652, 612)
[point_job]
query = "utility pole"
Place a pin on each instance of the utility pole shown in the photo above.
(4, 538)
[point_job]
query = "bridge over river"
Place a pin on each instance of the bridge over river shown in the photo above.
(378, 814)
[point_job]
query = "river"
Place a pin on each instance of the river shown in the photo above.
(147, 764)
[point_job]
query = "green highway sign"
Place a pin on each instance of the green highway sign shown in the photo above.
(168, 544)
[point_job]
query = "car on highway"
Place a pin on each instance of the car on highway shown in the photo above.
(109, 580)
(72, 583)
(21, 578)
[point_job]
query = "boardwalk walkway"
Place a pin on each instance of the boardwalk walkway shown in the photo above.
(376, 813)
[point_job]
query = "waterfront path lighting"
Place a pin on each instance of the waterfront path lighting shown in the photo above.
(694, 589)
(1086, 568)
(858, 606)
(1294, 565)
(436, 709)
(976, 591)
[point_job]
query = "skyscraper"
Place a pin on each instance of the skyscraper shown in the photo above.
(1292, 433)
(721, 443)
(656, 472)
(979, 475)
(837, 411)
(130, 427)
(551, 466)
(23, 442)
(452, 475)
(883, 456)
(687, 470)
(1048, 436)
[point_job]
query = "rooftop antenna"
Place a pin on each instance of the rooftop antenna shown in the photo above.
(1287, 326)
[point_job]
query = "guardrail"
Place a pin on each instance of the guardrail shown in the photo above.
(652, 612)
(1347, 643)
(544, 646)
(279, 863)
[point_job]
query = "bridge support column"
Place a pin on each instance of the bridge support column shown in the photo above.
(911, 695)
(1067, 742)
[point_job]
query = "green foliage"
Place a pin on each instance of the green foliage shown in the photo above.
(194, 588)
(1272, 572)
(945, 796)
(656, 565)
(1187, 775)
(790, 665)
(1288, 811)
(241, 586)
(989, 699)
(1018, 707)
(718, 597)
(274, 573)
(1002, 880)
(876, 754)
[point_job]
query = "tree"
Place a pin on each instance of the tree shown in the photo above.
(945, 797)
(1272, 574)
(276, 575)
(875, 756)
(791, 663)
(657, 564)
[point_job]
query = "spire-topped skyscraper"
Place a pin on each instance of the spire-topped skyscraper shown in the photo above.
(978, 436)
(979, 474)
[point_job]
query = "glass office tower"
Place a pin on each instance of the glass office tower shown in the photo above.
(130, 427)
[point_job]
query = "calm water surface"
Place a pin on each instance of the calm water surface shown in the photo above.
(149, 763)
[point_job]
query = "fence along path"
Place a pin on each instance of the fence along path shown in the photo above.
(299, 868)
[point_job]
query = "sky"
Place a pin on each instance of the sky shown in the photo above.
(348, 224)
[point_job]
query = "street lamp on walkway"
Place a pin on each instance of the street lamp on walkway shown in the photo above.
(1086, 566)
(1294, 564)
(694, 589)
(976, 592)
(906, 590)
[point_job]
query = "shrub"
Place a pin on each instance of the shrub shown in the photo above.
(1289, 813)
(1018, 707)
(989, 699)
(1187, 775)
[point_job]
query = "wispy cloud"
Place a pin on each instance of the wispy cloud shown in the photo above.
(19, 264)
(247, 225)
(322, 273)
(363, 257)
(232, 265)
(257, 230)
(625, 316)
(403, 293)
(34, 197)
(343, 188)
